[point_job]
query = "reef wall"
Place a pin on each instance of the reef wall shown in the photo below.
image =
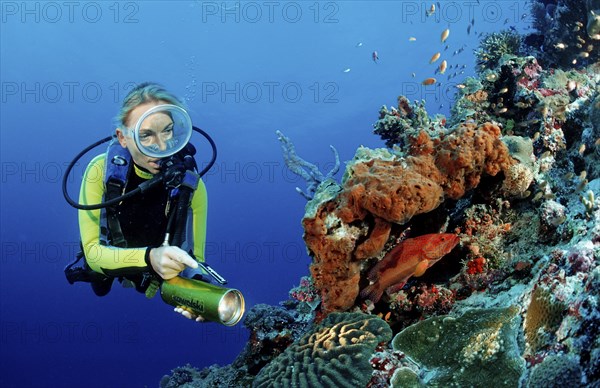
(514, 173)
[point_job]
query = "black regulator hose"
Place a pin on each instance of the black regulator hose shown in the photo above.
(141, 188)
(214, 151)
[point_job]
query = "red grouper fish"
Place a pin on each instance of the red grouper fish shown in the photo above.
(409, 258)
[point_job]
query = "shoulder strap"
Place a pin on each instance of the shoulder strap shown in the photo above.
(117, 165)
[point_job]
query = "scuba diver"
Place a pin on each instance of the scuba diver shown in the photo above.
(143, 209)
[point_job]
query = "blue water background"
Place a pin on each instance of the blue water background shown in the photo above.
(245, 72)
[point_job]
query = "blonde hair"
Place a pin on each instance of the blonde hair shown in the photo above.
(142, 93)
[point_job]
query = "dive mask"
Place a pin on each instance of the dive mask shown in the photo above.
(162, 131)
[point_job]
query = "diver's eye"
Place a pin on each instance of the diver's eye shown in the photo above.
(145, 138)
(145, 135)
(167, 132)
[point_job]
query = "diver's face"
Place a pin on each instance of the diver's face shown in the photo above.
(155, 130)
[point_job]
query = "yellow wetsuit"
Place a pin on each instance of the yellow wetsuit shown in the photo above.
(142, 219)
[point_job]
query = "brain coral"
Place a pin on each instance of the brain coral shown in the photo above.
(556, 371)
(477, 349)
(334, 354)
(388, 189)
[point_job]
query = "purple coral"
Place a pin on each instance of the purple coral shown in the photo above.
(306, 292)
(580, 257)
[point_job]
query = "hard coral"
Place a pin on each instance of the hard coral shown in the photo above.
(543, 317)
(517, 180)
(392, 190)
(556, 371)
(475, 349)
(477, 97)
(335, 353)
(386, 362)
(396, 126)
(494, 46)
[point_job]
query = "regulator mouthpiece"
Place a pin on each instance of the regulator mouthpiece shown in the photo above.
(217, 304)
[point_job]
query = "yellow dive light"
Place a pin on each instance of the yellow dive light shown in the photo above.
(213, 303)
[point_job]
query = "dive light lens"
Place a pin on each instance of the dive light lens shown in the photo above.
(231, 307)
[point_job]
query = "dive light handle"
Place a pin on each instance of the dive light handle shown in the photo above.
(220, 279)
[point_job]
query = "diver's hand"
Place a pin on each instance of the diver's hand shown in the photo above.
(169, 261)
(189, 315)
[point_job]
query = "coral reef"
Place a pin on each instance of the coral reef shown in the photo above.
(334, 353)
(306, 294)
(393, 189)
(397, 126)
(476, 349)
(213, 376)
(390, 365)
(556, 371)
(543, 317)
(272, 330)
(567, 30)
(493, 46)
(514, 173)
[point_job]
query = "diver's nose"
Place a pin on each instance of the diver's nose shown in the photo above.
(161, 144)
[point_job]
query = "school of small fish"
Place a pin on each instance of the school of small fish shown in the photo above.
(455, 70)
(443, 67)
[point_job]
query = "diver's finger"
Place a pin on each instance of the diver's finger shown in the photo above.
(183, 312)
(185, 259)
(173, 265)
(169, 274)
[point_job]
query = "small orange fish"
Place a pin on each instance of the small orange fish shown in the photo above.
(429, 81)
(435, 57)
(445, 35)
(411, 257)
(443, 66)
(431, 10)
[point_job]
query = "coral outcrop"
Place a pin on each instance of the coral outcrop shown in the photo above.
(335, 353)
(556, 371)
(393, 190)
(567, 30)
(476, 349)
(543, 317)
(514, 173)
